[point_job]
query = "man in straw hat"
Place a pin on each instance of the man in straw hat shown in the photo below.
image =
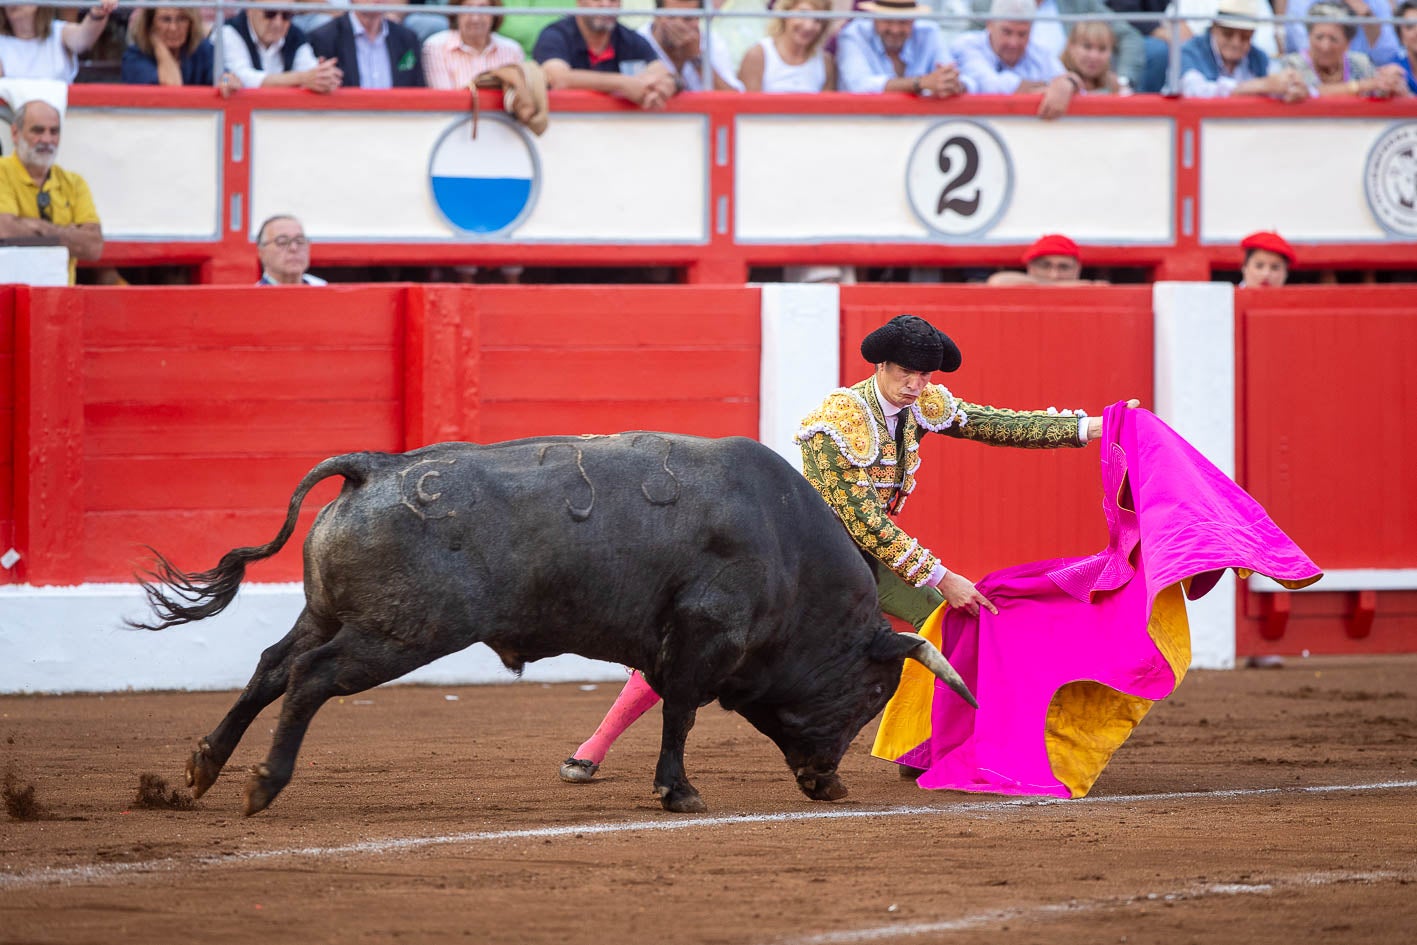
(860, 450)
(1223, 60)
(896, 55)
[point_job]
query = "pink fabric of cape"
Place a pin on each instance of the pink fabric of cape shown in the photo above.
(1172, 517)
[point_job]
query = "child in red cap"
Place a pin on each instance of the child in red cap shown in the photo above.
(1268, 257)
(1051, 260)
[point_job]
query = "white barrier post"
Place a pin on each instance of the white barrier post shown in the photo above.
(801, 359)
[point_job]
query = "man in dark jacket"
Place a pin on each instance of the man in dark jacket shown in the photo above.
(372, 51)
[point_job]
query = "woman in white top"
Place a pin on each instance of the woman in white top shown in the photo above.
(790, 58)
(453, 58)
(36, 44)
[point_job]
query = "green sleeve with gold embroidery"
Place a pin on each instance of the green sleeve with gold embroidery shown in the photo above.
(1029, 429)
(848, 490)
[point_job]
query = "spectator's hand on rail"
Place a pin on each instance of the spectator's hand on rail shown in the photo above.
(1285, 85)
(1056, 97)
(1094, 424)
(324, 78)
(229, 83)
(1390, 82)
(943, 81)
(960, 592)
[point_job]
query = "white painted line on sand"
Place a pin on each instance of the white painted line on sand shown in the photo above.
(97, 873)
(997, 918)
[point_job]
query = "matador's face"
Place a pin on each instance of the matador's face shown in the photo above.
(900, 385)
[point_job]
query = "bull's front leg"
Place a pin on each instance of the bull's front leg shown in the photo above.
(670, 782)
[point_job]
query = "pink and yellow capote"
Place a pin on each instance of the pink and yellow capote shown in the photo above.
(1083, 647)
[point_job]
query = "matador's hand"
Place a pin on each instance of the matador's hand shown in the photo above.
(959, 591)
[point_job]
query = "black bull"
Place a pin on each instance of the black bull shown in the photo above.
(710, 565)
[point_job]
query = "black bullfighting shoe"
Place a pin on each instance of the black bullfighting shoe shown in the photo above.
(578, 771)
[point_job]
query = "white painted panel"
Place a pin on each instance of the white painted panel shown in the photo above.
(1301, 178)
(1096, 179)
(632, 178)
(812, 179)
(34, 265)
(801, 348)
(154, 174)
(71, 639)
(610, 178)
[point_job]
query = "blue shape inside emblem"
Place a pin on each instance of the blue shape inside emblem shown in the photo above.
(481, 204)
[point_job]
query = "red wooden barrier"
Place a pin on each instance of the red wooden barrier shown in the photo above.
(182, 418)
(1326, 394)
(982, 508)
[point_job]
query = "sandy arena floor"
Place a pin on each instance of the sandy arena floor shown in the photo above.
(1274, 806)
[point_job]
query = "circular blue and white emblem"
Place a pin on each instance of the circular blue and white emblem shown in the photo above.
(484, 186)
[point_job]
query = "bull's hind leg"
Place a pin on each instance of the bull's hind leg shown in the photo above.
(352, 661)
(265, 686)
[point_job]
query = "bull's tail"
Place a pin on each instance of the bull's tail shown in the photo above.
(177, 596)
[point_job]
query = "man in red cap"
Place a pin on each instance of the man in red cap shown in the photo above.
(1268, 257)
(860, 450)
(1051, 260)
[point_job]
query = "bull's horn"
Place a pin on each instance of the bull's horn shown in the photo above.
(927, 655)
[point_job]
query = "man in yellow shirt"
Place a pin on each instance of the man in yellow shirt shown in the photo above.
(38, 199)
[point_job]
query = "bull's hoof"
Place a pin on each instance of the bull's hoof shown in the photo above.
(259, 792)
(684, 800)
(578, 771)
(822, 787)
(202, 769)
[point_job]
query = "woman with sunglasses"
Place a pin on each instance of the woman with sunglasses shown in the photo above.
(262, 49)
(36, 44)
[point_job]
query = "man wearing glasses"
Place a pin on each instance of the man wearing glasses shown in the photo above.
(284, 253)
(261, 48)
(40, 199)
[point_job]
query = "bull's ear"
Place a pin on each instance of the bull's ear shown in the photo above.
(887, 645)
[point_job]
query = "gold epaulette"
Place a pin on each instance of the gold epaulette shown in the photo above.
(845, 417)
(937, 409)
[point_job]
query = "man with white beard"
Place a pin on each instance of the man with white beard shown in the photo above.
(40, 199)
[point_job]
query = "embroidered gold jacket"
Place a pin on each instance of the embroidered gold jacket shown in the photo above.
(850, 457)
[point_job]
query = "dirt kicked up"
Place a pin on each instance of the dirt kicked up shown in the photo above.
(1255, 806)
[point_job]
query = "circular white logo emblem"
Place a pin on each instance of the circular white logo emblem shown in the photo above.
(1390, 180)
(959, 179)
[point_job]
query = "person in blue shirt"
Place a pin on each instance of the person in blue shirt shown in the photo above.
(167, 46)
(1406, 14)
(896, 55)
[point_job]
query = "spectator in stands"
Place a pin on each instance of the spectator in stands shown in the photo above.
(1268, 258)
(678, 42)
(1002, 59)
(371, 50)
(1378, 41)
(263, 50)
(896, 55)
(1267, 38)
(453, 58)
(36, 44)
(40, 199)
(595, 52)
(1088, 56)
(1051, 260)
(525, 29)
(167, 46)
(1329, 67)
(284, 252)
(791, 58)
(1050, 35)
(423, 24)
(1156, 38)
(1222, 62)
(1407, 29)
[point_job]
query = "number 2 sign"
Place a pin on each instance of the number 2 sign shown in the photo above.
(959, 179)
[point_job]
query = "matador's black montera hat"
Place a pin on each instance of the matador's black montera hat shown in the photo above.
(913, 343)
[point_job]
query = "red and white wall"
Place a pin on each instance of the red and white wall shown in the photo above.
(182, 418)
